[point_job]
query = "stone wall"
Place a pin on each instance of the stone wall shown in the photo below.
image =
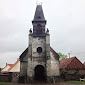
(54, 66)
(82, 71)
(72, 74)
(5, 77)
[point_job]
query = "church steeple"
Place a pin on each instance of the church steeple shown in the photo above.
(39, 62)
(39, 22)
(39, 15)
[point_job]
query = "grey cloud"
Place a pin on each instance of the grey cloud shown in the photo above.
(65, 20)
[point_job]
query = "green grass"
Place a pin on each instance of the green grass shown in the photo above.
(75, 82)
(5, 83)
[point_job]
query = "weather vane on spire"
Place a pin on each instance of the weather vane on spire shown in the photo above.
(39, 2)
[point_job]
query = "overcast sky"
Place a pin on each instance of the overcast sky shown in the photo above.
(65, 20)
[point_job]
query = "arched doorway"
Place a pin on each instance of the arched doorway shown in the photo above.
(40, 74)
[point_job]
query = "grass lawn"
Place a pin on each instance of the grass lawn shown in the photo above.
(75, 82)
(5, 83)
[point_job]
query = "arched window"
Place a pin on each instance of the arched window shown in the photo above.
(39, 28)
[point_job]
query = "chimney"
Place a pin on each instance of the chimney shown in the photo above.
(0, 69)
(6, 64)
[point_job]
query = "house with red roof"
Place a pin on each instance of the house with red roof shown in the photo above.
(5, 69)
(72, 65)
(15, 67)
(12, 71)
(12, 67)
(84, 63)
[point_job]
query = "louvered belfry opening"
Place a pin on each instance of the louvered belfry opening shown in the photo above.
(40, 74)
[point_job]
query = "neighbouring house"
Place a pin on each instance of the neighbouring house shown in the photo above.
(12, 67)
(5, 76)
(71, 67)
(84, 64)
(5, 69)
(15, 67)
(0, 70)
(14, 71)
(10, 72)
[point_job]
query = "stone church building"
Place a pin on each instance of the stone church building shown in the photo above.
(39, 62)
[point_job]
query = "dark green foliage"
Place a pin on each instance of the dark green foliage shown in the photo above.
(63, 72)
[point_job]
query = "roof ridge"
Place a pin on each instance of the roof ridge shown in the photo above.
(65, 62)
(71, 60)
(55, 53)
(13, 65)
(8, 65)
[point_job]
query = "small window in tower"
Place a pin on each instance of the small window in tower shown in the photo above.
(39, 49)
(39, 17)
(39, 28)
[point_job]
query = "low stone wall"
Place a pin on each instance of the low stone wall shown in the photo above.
(72, 74)
(71, 77)
(5, 77)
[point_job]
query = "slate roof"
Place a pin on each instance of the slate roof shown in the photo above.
(39, 15)
(71, 63)
(23, 54)
(54, 53)
(26, 51)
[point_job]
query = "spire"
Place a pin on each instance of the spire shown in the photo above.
(39, 15)
(39, 22)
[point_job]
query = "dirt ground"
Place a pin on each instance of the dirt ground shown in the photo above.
(46, 84)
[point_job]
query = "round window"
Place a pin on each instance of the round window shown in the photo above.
(39, 49)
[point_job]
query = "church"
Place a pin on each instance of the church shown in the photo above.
(39, 62)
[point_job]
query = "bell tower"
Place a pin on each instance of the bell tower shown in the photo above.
(39, 48)
(39, 22)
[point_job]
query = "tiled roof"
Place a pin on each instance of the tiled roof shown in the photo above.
(10, 65)
(8, 68)
(64, 63)
(84, 63)
(71, 63)
(13, 64)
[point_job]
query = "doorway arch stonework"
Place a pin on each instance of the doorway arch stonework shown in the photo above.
(40, 73)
